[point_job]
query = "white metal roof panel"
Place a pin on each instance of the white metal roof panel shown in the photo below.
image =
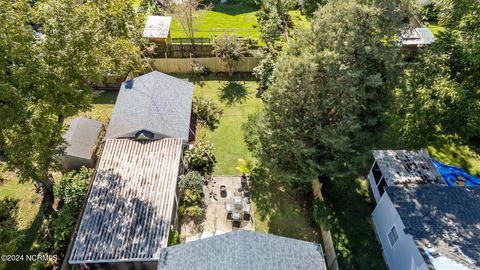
(157, 27)
(129, 208)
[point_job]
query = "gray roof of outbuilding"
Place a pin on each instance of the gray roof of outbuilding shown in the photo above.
(81, 137)
(443, 216)
(243, 250)
(156, 102)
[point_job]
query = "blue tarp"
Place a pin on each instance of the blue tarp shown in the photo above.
(455, 176)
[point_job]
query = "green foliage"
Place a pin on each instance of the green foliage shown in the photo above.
(173, 238)
(194, 211)
(46, 78)
(322, 215)
(310, 6)
(429, 13)
(71, 191)
(192, 181)
(10, 236)
(191, 205)
(264, 73)
(230, 50)
(273, 19)
(330, 91)
(245, 167)
(207, 112)
(200, 157)
(441, 96)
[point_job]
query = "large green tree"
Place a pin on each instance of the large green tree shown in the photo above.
(51, 52)
(330, 91)
(441, 97)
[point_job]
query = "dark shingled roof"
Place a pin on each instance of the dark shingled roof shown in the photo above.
(444, 216)
(243, 250)
(155, 102)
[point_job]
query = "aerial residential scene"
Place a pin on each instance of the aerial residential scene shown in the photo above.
(240, 134)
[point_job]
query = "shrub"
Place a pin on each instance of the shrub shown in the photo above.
(429, 13)
(200, 158)
(194, 211)
(70, 191)
(173, 237)
(264, 73)
(322, 215)
(191, 205)
(207, 112)
(192, 181)
(10, 236)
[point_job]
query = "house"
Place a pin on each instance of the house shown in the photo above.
(417, 37)
(80, 143)
(152, 106)
(401, 167)
(157, 29)
(243, 250)
(429, 227)
(131, 205)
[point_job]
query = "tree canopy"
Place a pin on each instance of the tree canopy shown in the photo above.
(51, 52)
(331, 89)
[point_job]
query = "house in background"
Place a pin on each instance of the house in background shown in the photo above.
(157, 29)
(131, 205)
(152, 106)
(401, 167)
(417, 37)
(243, 250)
(429, 227)
(80, 142)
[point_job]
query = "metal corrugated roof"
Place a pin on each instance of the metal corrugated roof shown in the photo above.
(155, 102)
(129, 208)
(81, 137)
(157, 27)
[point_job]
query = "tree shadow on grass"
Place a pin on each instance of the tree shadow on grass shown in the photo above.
(234, 9)
(233, 92)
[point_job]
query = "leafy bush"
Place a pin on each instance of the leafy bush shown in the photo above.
(429, 13)
(309, 6)
(71, 191)
(207, 112)
(200, 158)
(10, 236)
(195, 211)
(191, 205)
(322, 215)
(192, 181)
(264, 73)
(173, 237)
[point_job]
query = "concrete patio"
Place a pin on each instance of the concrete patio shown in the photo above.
(215, 221)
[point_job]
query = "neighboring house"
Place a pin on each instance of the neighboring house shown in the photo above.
(131, 205)
(152, 106)
(80, 142)
(416, 37)
(401, 167)
(157, 29)
(429, 227)
(244, 250)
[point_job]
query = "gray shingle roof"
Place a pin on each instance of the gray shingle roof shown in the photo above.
(243, 250)
(81, 137)
(155, 102)
(444, 216)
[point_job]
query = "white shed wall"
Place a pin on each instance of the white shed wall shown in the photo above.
(404, 255)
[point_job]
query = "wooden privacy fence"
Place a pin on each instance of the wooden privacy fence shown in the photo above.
(214, 64)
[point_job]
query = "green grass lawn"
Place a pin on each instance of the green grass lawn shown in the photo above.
(435, 28)
(238, 101)
(457, 155)
(102, 107)
(236, 19)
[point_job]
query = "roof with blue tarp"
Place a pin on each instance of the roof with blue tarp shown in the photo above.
(455, 176)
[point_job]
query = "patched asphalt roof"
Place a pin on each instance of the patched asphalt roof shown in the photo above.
(81, 137)
(155, 102)
(241, 250)
(444, 216)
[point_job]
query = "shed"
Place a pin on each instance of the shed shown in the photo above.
(80, 142)
(131, 205)
(157, 29)
(417, 37)
(155, 106)
(429, 227)
(243, 250)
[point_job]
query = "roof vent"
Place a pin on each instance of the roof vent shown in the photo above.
(129, 84)
(144, 135)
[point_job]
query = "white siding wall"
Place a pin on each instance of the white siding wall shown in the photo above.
(404, 255)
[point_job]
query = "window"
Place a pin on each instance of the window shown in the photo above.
(393, 236)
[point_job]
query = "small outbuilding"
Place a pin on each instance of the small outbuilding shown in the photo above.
(152, 106)
(417, 37)
(81, 140)
(157, 29)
